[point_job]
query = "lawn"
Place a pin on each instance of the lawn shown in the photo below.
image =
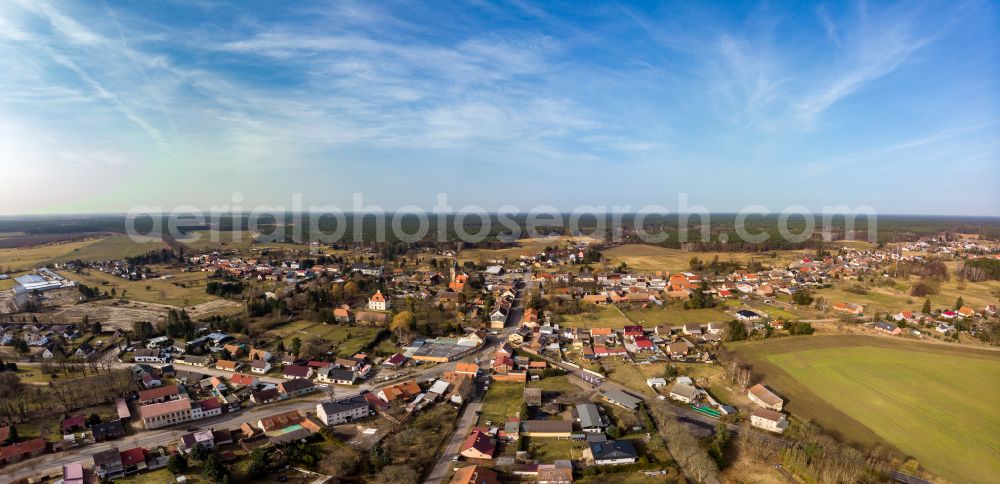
(556, 384)
(676, 316)
(780, 312)
(548, 450)
(633, 376)
(347, 339)
(602, 316)
(181, 289)
(503, 400)
(936, 403)
(6, 284)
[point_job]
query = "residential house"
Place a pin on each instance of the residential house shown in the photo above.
(108, 464)
(684, 393)
(394, 361)
(202, 438)
(589, 417)
(279, 421)
(227, 365)
(260, 366)
(400, 391)
(343, 411)
(656, 382)
(467, 369)
(474, 475)
(209, 407)
(259, 354)
(110, 430)
(134, 460)
(297, 371)
(478, 445)
(763, 397)
(73, 473)
(611, 452)
(296, 387)
(268, 395)
(148, 356)
(747, 315)
(678, 349)
(166, 413)
(849, 308)
(378, 302)
(238, 380)
(888, 328)
(234, 349)
(158, 394)
(340, 376)
(769, 420)
(196, 360)
(74, 423)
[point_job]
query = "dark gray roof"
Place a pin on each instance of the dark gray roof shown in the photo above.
(590, 417)
(613, 449)
(113, 428)
(622, 398)
(344, 405)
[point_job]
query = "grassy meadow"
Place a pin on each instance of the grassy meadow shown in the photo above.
(651, 258)
(344, 340)
(936, 403)
(93, 249)
(26, 258)
(182, 289)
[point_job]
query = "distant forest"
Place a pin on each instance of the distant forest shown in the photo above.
(890, 228)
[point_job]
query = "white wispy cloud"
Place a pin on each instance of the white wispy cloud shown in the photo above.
(876, 50)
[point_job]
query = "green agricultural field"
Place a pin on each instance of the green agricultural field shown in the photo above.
(650, 258)
(112, 247)
(633, 376)
(936, 403)
(207, 240)
(28, 258)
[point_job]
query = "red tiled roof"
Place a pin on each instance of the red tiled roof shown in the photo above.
(74, 421)
(480, 442)
(26, 447)
(209, 404)
(158, 392)
(296, 370)
(133, 456)
(242, 379)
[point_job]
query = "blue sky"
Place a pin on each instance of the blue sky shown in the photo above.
(108, 105)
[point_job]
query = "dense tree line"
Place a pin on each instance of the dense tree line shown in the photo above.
(224, 289)
(977, 270)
